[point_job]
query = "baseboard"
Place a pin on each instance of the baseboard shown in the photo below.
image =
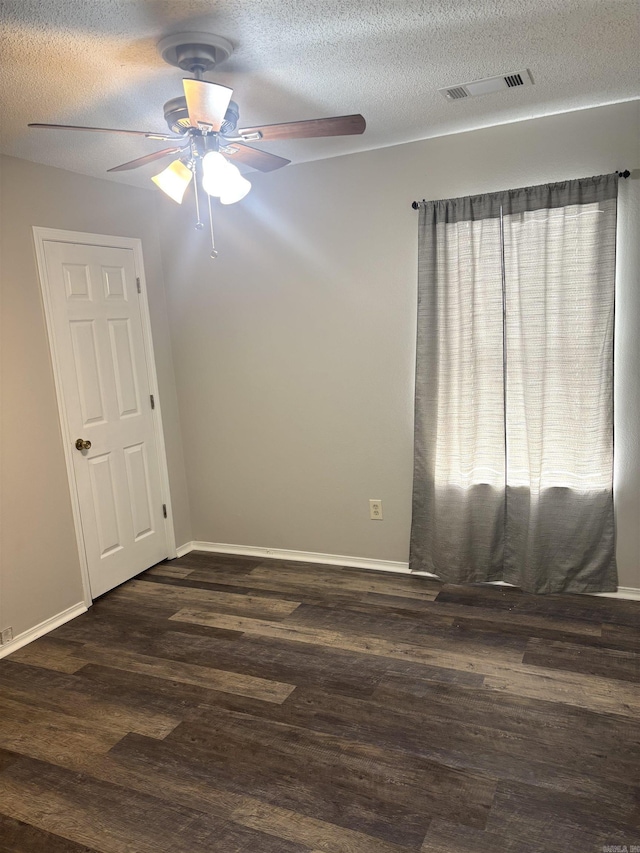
(301, 557)
(627, 592)
(181, 550)
(43, 628)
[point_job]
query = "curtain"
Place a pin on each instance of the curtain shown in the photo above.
(513, 451)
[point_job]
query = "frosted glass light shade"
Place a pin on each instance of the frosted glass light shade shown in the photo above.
(222, 179)
(174, 180)
(236, 189)
(215, 174)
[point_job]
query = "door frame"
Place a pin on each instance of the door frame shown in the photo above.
(40, 236)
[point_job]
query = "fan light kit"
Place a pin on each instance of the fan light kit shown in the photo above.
(205, 135)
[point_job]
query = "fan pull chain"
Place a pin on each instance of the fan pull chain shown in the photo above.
(214, 251)
(199, 222)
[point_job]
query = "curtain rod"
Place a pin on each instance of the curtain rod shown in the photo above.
(416, 204)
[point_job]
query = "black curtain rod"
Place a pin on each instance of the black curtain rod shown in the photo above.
(416, 204)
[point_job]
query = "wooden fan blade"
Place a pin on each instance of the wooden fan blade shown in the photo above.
(336, 126)
(148, 133)
(206, 103)
(261, 160)
(148, 158)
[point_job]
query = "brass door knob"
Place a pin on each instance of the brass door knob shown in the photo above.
(81, 444)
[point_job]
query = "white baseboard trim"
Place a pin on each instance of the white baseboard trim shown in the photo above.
(181, 550)
(627, 592)
(303, 557)
(43, 628)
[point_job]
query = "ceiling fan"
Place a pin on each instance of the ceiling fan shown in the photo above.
(206, 140)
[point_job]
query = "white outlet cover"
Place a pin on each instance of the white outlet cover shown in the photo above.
(375, 509)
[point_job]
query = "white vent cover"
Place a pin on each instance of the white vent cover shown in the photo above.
(488, 85)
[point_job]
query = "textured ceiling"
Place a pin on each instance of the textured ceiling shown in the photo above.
(94, 63)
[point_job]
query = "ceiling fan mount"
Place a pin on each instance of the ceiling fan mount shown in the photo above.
(195, 52)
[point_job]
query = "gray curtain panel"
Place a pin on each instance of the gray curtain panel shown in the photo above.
(513, 455)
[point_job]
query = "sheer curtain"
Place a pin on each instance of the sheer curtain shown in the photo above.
(514, 388)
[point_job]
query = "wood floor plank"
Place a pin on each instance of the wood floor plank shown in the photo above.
(164, 696)
(509, 621)
(278, 783)
(512, 712)
(278, 584)
(66, 694)
(166, 570)
(621, 636)
(444, 837)
(404, 586)
(7, 758)
(123, 624)
(19, 837)
(429, 655)
(558, 750)
(217, 562)
(259, 657)
(398, 778)
(51, 736)
(81, 809)
(588, 608)
(48, 655)
(327, 838)
(219, 602)
(410, 628)
(603, 695)
(166, 782)
(608, 663)
(527, 813)
(189, 673)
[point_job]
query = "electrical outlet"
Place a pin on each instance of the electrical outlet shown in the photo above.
(6, 636)
(375, 509)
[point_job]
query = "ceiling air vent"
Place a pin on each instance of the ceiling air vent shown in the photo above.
(513, 80)
(455, 93)
(488, 85)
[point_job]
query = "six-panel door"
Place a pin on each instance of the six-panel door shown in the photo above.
(101, 355)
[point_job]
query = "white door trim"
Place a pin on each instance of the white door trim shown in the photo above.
(40, 236)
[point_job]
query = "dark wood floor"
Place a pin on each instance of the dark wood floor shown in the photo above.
(228, 704)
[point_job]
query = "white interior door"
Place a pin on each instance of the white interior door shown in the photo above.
(95, 319)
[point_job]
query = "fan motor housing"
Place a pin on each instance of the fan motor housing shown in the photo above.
(177, 117)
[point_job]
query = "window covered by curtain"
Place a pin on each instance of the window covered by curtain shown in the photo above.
(514, 388)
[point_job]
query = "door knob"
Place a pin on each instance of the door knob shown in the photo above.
(81, 444)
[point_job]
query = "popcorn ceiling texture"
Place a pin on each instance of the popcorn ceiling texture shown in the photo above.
(95, 63)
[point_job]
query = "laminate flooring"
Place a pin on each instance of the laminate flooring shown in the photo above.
(233, 705)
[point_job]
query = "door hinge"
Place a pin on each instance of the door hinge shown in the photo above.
(164, 510)
(153, 402)
(138, 285)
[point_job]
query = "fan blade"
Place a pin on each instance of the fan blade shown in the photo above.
(261, 160)
(336, 126)
(206, 103)
(148, 133)
(148, 158)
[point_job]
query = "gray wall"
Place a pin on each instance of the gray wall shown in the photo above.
(294, 350)
(39, 568)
